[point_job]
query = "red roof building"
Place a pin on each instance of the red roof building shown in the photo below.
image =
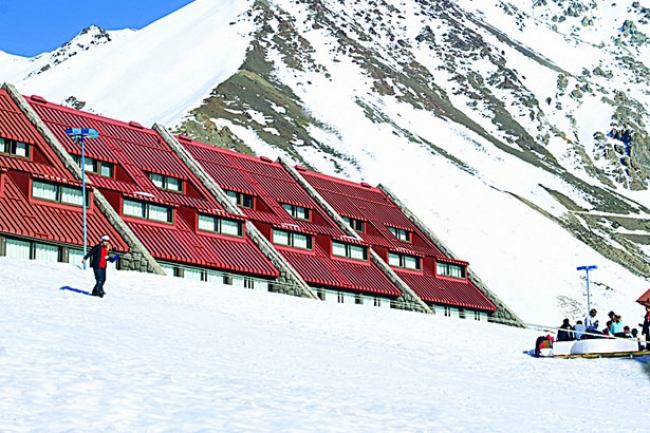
(313, 244)
(437, 279)
(168, 209)
(41, 215)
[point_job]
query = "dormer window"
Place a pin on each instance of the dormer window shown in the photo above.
(220, 225)
(95, 166)
(240, 199)
(148, 211)
(358, 226)
(298, 212)
(14, 147)
(58, 193)
(349, 251)
(451, 270)
(168, 183)
(403, 261)
(292, 239)
(401, 234)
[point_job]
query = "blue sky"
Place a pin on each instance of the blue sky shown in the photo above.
(30, 27)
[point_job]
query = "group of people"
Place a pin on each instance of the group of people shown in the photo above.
(614, 328)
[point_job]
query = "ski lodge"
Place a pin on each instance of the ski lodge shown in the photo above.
(40, 199)
(441, 281)
(177, 207)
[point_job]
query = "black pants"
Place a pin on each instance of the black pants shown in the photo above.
(100, 279)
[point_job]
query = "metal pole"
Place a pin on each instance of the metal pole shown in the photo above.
(588, 297)
(83, 195)
(587, 269)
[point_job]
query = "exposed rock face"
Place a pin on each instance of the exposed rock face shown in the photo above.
(483, 91)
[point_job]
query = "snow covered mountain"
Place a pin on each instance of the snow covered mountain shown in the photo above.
(515, 130)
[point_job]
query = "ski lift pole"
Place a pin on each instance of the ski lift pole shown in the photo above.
(587, 269)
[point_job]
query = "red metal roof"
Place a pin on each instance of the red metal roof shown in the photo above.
(269, 182)
(39, 219)
(371, 205)
(49, 222)
(137, 151)
(644, 299)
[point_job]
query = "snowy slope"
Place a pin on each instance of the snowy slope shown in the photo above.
(489, 204)
(163, 354)
(155, 74)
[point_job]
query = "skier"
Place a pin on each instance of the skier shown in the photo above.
(98, 261)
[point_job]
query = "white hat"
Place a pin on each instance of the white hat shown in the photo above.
(105, 238)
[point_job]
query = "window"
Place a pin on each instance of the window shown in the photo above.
(220, 225)
(58, 193)
(355, 252)
(403, 261)
(101, 168)
(450, 270)
(241, 199)
(461, 313)
(402, 235)
(291, 239)
(297, 212)
(29, 250)
(477, 315)
(357, 225)
(14, 147)
(148, 211)
(169, 183)
(447, 311)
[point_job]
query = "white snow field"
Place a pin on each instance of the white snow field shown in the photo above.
(160, 354)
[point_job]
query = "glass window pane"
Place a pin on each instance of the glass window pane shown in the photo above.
(18, 249)
(302, 213)
(48, 253)
(21, 149)
(159, 213)
(157, 180)
(169, 269)
(280, 237)
(192, 274)
(89, 163)
(393, 259)
(232, 195)
(133, 208)
(338, 249)
(206, 223)
(215, 277)
(246, 201)
(357, 252)
(71, 196)
(411, 262)
(230, 227)
(44, 190)
(173, 184)
(75, 256)
(3, 145)
(300, 241)
(288, 208)
(106, 169)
